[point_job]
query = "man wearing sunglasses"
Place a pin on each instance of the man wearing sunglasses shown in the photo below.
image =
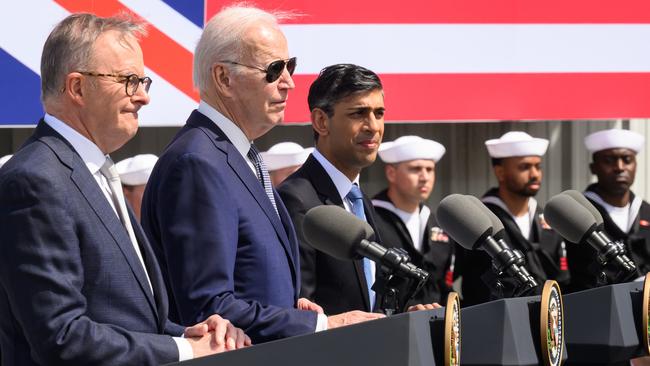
(79, 283)
(221, 231)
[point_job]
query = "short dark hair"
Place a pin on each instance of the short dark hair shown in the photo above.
(339, 81)
(497, 161)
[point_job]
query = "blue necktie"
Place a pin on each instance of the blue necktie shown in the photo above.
(262, 174)
(356, 198)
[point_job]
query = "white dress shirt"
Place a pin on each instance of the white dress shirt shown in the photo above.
(93, 157)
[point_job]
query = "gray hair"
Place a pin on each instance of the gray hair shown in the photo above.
(69, 47)
(222, 38)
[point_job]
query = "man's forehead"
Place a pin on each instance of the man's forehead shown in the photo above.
(362, 99)
(531, 159)
(264, 40)
(614, 152)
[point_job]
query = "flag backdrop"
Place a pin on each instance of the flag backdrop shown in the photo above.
(439, 60)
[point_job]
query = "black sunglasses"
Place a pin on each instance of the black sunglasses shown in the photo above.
(274, 70)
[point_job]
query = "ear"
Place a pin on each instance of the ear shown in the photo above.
(73, 87)
(320, 122)
(390, 172)
(499, 173)
(222, 79)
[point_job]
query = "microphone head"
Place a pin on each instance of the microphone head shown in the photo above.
(334, 231)
(497, 225)
(569, 218)
(584, 202)
(458, 216)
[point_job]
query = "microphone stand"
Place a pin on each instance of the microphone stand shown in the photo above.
(626, 270)
(396, 290)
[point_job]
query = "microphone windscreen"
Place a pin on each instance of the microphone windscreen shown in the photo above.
(569, 218)
(584, 202)
(334, 231)
(497, 225)
(459, 217)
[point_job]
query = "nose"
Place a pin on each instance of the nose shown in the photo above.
(286, 81)
(620, 164)
(373, 123)
(141, 96)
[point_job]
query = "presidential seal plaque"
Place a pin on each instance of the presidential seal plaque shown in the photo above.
(646, 313)
(452, 330)
(552, 324)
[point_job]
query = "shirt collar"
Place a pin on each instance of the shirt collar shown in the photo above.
(92, 156)
(341, 182)
(232, 131)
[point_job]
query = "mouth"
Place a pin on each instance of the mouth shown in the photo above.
(369, 144)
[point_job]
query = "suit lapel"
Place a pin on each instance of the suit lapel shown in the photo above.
(329, 195)
(91, 191)
(243, 171)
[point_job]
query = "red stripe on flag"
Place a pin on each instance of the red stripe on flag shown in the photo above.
(456, 11)
(162, 54)
(485, 97)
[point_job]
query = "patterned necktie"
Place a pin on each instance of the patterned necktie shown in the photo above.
(356, 198)
(262, 174)
(109, 171)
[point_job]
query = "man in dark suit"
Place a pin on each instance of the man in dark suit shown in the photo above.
(516, 161)
(626, 216)
(347, 114)
(405, 222)
(79, 283)
(223, 236)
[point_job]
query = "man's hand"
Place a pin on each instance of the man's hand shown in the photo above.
(215, 335)
(351, 317)
(417, 307)
(304, 304)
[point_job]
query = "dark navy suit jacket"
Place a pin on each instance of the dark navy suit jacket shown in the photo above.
(222, 246)
(72, 290)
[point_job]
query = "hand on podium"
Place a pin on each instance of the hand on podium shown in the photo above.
(215, 335)
(418, 307)
(351, 317)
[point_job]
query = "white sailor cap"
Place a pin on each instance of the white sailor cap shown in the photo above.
(614, 139)
(516, 143)
(4, 159)
(284, 155)
(408, 148)
(135, 171)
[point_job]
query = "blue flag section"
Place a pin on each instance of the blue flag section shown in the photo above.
(20, 92)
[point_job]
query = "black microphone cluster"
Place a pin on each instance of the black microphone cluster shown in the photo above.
(577, 220)
(474, 226)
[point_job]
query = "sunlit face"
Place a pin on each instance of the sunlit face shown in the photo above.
(109, 115)
(412, 180)
(615, 169)
(352, 135)
(521, 175)
(260, 105)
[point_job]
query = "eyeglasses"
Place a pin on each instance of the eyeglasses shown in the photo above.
(131, 82)
(275, 68)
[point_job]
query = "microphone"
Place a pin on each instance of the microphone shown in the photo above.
(576, 220)
(334, 231)
(508, 254)
(470, 224)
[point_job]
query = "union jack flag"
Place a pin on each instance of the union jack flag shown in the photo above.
(439, 60)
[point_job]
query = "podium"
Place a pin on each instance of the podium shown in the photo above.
(509, 331)
(409, 339)
(605, 325)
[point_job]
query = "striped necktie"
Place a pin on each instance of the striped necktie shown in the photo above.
(262, 174)
(356, 198)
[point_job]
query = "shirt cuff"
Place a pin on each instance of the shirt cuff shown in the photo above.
(184, 349)
(321, 322)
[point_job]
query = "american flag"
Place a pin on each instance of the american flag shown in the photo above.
(439, 60)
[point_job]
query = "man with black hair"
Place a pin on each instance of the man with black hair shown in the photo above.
(516, 159)
(626, 216)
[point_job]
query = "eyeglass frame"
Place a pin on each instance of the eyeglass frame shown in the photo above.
(126, 79)
(269, 78)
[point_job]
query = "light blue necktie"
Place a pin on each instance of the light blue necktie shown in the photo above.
(356, 198)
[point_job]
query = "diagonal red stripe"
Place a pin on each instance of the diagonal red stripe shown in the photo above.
(457, 11)
(162, 54)
(488, 97)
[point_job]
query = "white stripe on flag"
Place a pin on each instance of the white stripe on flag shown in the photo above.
(25, 25)
(167, 20)
(473, 48)
(168, 107)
